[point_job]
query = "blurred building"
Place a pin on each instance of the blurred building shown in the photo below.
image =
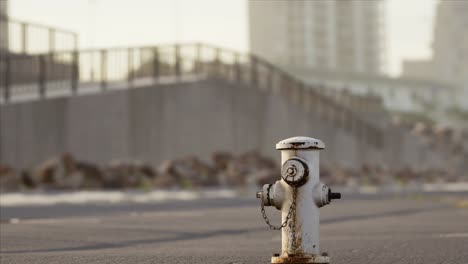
(450, 46)
(3, 25)
(449, 62)
(419, 69)
(334, 35)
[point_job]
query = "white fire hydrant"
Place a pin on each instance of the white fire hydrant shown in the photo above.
(299, 195)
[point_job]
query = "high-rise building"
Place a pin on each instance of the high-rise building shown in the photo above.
(3, 25)
(417, 69)
(333, 35)
(450, 46)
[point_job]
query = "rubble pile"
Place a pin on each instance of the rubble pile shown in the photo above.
(187, 173)
(67, 173)
(454, 141)
(224, 169)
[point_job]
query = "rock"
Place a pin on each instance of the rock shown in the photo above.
(127, 174)
(27, 180)
(64, 172)
(44, 174)
(10, 180)
(420, 129)
(92, 176)
(187, 172)
(221, 160)
(165, 181)
(204, 174)
(166, 175)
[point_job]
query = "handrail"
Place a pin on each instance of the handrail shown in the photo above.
(35, 24)
(45, 38)
(44, 73)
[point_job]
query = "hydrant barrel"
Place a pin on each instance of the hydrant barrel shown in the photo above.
(307, 218)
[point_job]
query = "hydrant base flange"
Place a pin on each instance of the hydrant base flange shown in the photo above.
(301, 259)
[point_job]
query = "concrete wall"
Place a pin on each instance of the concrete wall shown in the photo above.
(170, 121)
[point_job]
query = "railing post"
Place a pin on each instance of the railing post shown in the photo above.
(75, 41)
(343, 116)
(294, 91)
(353, 125)
(338, 112)
(75, 72)
(310, 99)
(371, 135)
(373, 140)
(103, 69)
(363, 132)
(290, 87)
(380, 139)
(334, 117)
(7, 79)
(350, 122)
(316, 101)
(326, 106)
(51, 40)
(254, 72)
(130, 67)
(377, 137)
(283, 85)
(300, 94)
(276, 85)
(24, 38)
(217, 62)
(269, 78)
(198, 59)
(347, 113)
(42, 75)
(304, 94)
(155, 63)
(237, 69)
(177, 61)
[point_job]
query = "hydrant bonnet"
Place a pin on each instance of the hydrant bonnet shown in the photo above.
(300, 143)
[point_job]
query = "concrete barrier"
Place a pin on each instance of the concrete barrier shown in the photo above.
(154, 123)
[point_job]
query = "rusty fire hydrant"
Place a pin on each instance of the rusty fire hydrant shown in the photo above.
(299, 195)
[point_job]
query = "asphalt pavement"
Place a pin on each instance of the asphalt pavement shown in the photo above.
(413, 229)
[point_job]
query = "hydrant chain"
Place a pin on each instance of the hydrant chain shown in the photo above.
(291, 213)
(293, 224)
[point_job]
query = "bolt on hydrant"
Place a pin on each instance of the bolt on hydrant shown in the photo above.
(298, 194)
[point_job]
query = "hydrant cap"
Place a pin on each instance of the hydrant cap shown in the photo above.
(300, 143)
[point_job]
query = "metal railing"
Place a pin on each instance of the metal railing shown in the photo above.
(103, 69)
(32, 38)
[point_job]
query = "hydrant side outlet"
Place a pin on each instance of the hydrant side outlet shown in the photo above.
(299, 195)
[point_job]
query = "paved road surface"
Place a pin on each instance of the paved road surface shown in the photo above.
(388, 230)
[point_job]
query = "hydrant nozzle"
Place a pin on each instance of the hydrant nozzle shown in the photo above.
(259, 194)
(333, 196)
(298, 194)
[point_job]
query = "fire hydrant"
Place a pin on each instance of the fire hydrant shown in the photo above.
(298, 194)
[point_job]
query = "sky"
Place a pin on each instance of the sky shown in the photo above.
(105, 23)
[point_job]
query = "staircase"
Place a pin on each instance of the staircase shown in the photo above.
(76, 73)
(69, 72)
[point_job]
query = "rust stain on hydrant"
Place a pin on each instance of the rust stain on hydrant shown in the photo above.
(298, 194)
